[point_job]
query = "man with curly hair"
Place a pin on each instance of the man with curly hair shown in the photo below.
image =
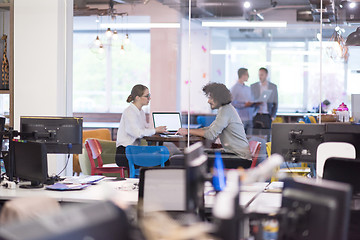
(227, 125)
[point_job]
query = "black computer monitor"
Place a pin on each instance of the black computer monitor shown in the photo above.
(296, 141)
(315, 210)
(30, 160)
(60, 134)
(196, 175)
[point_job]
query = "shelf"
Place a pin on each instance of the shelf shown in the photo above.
(4, 91)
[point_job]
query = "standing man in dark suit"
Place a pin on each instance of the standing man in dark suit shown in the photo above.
(265, 111)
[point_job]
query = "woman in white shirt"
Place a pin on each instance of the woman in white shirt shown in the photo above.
(133, 124)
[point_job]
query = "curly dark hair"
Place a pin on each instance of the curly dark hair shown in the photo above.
(218, 92)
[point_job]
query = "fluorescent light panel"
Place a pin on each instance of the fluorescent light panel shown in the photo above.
(245, 24)
(137, 26)
(234, 52)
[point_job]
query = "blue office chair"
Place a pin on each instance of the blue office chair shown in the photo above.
(145, 156)
(205, 121)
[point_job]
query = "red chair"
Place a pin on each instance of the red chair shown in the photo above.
(94, 151)
(255, 147)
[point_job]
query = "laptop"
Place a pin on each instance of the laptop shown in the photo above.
(264, 96)
(172, 121)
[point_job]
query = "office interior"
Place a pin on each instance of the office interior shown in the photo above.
(174, 49)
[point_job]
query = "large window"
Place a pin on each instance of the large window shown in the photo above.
(295, 68)
(103, 80)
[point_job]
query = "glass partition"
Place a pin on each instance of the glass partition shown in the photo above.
(223, 38)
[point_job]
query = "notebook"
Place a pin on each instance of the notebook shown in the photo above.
(264, 96)
(172, 120)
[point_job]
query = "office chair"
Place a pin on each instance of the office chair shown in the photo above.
(255, 148)
(145, 156)
(205, 121)
(162, 189)
(94, 151)
(327, 150)
(344, 170)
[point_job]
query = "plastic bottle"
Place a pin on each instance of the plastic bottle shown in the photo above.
(342, 113)
(346, 114)
(218, 180)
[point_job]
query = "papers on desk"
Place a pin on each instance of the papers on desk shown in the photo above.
(83, 179)
(170, 136)
(66, 187)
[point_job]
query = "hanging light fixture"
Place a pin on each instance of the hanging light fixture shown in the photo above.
(108, 33)
(338, 50)
(101, 49)
(122, 50)
(127, 39)
(354, 38)
(97, 41)
(115, 35)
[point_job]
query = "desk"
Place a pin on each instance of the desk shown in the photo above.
(180, 141)
(102, 191)
(124, 191)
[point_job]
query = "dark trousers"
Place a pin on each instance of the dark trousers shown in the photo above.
(262, 121)
(262, 125)
(120, 157)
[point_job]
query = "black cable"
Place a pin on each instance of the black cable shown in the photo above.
(67, 161)
(256, 195)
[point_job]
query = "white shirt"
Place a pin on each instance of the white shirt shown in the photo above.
(263, 108)
(133, 127)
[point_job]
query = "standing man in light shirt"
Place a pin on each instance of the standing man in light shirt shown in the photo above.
(265, 111)
(243, 101)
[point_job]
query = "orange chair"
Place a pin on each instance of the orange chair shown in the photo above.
(103, 134)
(255, 147)
(94, 150)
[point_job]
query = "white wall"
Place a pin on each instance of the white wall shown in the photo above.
(43, 63)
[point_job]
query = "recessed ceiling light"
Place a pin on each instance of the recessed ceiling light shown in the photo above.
(245, 24)
(247, 4)
(352, 5)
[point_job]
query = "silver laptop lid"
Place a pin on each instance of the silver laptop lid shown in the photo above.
(172, 120)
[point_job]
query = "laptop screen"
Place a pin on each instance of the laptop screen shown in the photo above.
(171, 120)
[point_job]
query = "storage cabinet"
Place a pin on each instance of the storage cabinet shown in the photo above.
(7, 28)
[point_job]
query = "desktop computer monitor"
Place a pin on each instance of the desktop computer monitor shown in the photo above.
(297, 142)
(315, 210)
(196, 175)
(60, 134)
(30, 161)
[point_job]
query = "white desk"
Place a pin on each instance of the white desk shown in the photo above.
(102, 191)
(125, 192)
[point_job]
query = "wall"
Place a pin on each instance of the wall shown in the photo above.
(43, 63)
(200, 67)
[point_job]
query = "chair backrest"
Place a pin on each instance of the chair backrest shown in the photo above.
(255, 147)
(146, 156)
(205, 121)
(162, 189)
(307, 119)
(102, 133)
(268, 148)
(312, 119)
(94, 151)
(343, 170)
(332, 149)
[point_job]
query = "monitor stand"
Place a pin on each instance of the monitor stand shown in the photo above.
(33, 184)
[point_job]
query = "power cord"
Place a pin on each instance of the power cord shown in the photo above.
(67, 161)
